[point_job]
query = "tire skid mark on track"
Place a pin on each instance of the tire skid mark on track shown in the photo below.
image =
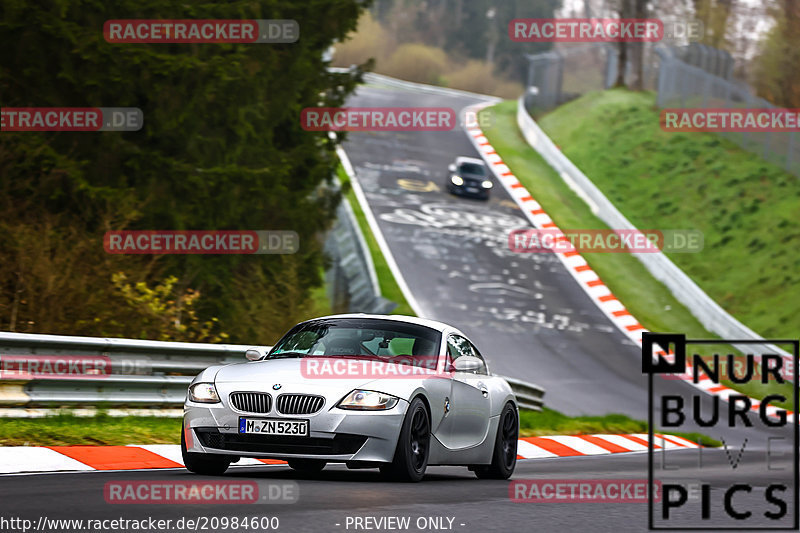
(35, 459)
(580, 270)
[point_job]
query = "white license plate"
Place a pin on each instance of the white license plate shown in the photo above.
(273, 426)
(472, 189)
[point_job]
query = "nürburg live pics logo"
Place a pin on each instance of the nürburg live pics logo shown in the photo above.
(741, 396)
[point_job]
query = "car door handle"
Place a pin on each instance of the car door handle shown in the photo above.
(485, 392)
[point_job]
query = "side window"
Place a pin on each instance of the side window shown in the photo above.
(476, 353)
(458, 346)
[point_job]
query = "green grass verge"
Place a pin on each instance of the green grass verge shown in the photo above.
(66, 429)
(386, 281)
(320, 303)
(746, 207)
(102, 430)
(549, 422)
(645, 297)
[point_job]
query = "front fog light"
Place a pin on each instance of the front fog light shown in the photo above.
(457, 180)
(487, 184)
(367, 400)
(203, 393)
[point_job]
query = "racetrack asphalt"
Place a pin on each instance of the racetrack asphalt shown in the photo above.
(325, 501)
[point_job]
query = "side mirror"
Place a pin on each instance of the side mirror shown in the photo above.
(253, 354)
(467, 363)
(451, 167)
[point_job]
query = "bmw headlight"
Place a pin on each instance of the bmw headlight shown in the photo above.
(367, 400)
(203, 393)
(457, 180)
(487, 184)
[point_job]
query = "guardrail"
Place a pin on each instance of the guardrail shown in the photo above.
(529, 396)
(380, 79)
(136, 373)
(351, 279)
(707, 311)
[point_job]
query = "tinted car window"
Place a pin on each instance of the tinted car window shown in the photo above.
(382, 339)
(471, 168)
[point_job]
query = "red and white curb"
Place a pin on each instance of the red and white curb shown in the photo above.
(579, 269)
(575, 446)
(16, 459)
(32, 459)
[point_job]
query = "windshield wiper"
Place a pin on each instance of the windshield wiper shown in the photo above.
(351, 356)
(287, 355)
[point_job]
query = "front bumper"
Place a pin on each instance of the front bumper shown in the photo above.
(464, 190)
(335, 435)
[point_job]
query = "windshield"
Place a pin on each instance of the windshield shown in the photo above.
(363, 338)
(472, 168)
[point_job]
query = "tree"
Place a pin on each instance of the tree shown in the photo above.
(467, 29)
(222, 146)
(777, 75)
(640, 12)
(625, 9)
(715, 15)
(631, 9)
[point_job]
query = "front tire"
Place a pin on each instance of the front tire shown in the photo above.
(413, 446)
(205, 464)
(504, 457)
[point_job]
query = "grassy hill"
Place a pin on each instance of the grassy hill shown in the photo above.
(748, 209)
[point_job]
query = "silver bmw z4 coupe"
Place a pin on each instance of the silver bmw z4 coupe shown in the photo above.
(372, 391)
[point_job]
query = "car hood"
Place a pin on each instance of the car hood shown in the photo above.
(295, 375)
(272, 371)
(478, 177)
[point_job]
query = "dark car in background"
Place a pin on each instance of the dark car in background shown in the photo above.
(468, 176)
